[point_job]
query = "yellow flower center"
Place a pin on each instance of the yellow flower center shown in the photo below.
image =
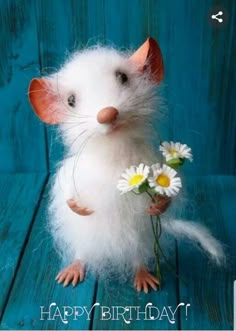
(172, 152)
(136, 179)
(163, 180)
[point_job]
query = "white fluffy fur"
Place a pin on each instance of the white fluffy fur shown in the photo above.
(196, 234)
(118, 234)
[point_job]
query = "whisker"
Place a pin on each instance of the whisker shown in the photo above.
(72, 126)
(77, 137)
(66, 114)
(83, 145)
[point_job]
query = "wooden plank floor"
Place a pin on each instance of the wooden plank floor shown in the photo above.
(19, 199)
(29, 264)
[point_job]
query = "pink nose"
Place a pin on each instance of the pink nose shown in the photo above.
(107, 115)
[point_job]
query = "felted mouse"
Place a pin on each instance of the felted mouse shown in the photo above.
(102, 101)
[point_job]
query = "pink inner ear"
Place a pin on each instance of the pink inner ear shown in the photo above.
(149, 56)
(43, 101)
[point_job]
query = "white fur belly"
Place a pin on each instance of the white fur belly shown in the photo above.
(118, 231)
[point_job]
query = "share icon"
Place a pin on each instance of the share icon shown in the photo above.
(215, 17)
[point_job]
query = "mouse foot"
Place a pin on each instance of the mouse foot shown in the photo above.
(144, 279)
(74, 273)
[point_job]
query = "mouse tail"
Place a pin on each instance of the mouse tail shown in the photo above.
(199, 235)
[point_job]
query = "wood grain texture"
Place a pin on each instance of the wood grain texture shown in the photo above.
(199, 80)
(35, 285)
(19, 194)
(117, 294)
(22, 141)
(210, 289)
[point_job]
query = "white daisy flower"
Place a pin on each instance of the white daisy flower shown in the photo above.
(164, 180)
(176, 150)
(133, 178)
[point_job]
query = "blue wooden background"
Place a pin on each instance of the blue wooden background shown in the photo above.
(199, 109)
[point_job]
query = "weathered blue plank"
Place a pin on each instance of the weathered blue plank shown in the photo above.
(199, 80)
(210, 289)
(22, 141)
(19, 196)
(35, 286)
(126, 23)
(120, 295)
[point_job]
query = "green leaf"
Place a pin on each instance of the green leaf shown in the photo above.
(144, 187)
(175, 163)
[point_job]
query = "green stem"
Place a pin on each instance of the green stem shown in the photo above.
(159, 226)
(153, 200)
(170, 266)
(156, 250)
(157, 231)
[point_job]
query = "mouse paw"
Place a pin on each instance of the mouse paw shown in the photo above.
(74, 273)
(144, 279)
(160, 205)
(82, 211)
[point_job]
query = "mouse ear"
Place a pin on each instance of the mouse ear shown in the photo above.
(149, 57)
(44, 101)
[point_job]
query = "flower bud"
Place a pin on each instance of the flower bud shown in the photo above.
(175, 163)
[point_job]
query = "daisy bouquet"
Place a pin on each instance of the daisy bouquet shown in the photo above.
(161, 182)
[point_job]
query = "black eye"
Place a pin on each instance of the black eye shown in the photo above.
(122, 77)
(71, 100)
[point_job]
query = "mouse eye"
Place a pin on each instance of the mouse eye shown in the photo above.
(122, 77)
(71, 100)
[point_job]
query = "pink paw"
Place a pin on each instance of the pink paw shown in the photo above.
(82, 211)
(160, 205)
(74, 273)
(144, 279)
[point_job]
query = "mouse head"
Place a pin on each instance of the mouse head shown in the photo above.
(100, 91)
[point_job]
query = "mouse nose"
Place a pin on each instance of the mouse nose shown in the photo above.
(107, 115)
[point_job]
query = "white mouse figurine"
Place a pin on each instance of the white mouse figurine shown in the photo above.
(103, 101)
